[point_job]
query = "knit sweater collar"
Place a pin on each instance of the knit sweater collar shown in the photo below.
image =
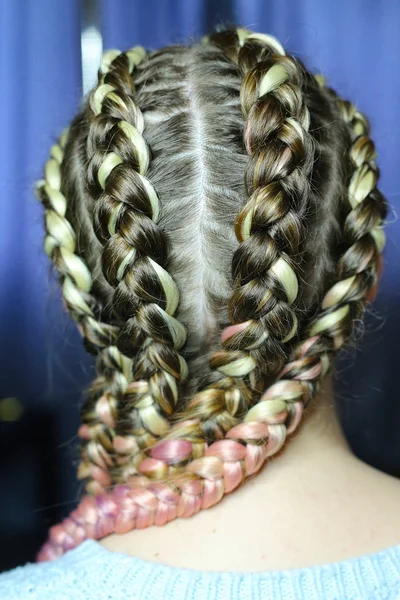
(371, 576)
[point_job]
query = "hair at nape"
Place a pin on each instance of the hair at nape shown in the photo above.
(213, 217)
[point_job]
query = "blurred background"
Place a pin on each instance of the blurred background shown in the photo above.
(49, 54)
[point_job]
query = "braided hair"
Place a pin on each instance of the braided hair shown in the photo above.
(215, 222)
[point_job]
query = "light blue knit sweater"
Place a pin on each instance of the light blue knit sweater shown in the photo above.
(90, 572)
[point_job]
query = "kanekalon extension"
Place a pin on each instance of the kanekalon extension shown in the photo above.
(227, 431)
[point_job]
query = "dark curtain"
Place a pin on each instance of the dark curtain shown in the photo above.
(355, 43)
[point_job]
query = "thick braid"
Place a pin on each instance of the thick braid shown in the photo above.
(183, 474)
(270, 226)
(270, 229)
(134, 257)
(99, 337)
(364, 237)
(60, 246)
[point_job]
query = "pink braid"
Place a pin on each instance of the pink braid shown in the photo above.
(143, 502)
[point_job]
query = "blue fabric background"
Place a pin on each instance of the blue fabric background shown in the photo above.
(355, 43)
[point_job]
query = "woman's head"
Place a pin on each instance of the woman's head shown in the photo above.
(214, 218)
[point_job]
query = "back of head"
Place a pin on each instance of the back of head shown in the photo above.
(213, 216)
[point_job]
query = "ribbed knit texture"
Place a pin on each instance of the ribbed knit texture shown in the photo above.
(91, 572)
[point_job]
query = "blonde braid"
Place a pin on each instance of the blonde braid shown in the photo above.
(99, 337)
(60, 246)
(358, 267)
